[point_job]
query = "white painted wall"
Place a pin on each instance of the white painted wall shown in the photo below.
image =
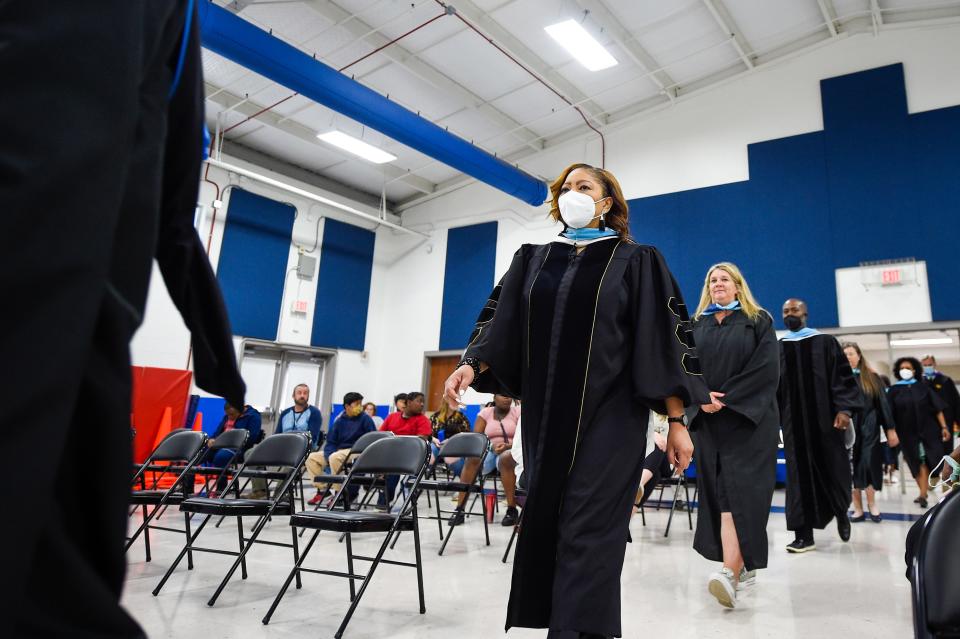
(699, 141)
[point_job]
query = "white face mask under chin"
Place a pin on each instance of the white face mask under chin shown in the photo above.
(577, 209)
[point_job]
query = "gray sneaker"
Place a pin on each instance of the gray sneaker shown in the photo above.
(720, 585)
(747, 578)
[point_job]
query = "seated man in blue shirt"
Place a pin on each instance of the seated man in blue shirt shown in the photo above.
(300, 417)
(344, 433)
(245, 418)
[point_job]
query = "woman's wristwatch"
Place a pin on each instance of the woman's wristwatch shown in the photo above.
(473, 363)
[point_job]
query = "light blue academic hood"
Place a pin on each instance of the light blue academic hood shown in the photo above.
(236, 39)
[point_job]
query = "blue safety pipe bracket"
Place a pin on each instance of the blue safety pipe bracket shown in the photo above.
(249, 46)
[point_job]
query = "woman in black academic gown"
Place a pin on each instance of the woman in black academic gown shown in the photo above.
(590, 331)
(918, 413)
(867, 454)
(736, 434)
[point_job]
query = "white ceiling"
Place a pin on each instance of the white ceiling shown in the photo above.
(456, 79)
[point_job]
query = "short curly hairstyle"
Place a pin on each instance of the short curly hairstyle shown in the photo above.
(914, 364)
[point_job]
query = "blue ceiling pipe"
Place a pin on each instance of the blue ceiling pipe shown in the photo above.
(236, 39)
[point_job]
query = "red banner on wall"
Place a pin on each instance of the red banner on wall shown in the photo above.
(155, 389)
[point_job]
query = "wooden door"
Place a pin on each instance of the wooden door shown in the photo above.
(440, 370)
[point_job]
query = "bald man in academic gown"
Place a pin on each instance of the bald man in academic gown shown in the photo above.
(818, 398)
(100, 150)
(591, 335)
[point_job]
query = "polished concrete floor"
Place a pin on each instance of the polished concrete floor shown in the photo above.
(847, 590)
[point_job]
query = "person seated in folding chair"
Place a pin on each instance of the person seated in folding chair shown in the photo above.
(447, 422)
(408, 420)
(247, 418)
(349, 426)
(301, 417)
(655, 466)
(499, 424)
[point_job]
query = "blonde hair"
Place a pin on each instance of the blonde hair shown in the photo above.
(748, 305)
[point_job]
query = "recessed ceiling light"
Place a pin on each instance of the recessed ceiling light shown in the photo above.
(571, 35)
(360, 148)
(921, 341)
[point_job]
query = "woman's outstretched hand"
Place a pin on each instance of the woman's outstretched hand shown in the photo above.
(456, 384)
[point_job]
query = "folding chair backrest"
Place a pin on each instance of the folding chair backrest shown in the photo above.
(180, 445)
(280, 449)
(465, 445)
(394, 456)
(937, 566)
(368, 438)
(236, 438)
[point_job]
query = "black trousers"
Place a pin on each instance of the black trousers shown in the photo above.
(82, 137)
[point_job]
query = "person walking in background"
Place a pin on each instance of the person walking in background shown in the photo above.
(946, 389)
(921, 426)
(735, 434)
(591, 332)
(818, 398)
(867, 453)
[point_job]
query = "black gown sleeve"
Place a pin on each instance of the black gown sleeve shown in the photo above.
(665, 362)
(952, 398)
(751, 391)
(497, 338)
(884, 414)
(935, 403)
(180, 254)
(844, 389)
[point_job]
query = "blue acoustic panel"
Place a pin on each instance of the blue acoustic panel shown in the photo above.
(876, 183)
(253, 262)
(467, 281)
(343, 286)
(212, 410)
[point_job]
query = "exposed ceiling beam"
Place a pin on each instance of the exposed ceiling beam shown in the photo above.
(829, 14)
(301, 174)
(244, 106)
(612, 25)
(528, 58)
(726, 22)
(399, 54)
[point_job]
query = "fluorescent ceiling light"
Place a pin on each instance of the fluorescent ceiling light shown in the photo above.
(357, 147)
(921, 341)
(581, 45)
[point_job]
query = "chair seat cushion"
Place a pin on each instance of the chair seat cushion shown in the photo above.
(348, 521)
(232, 507)
(148, 497)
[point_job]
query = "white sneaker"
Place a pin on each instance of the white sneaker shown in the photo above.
(747, 578)
(720, 585)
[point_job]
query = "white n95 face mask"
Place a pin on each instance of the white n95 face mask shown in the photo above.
(906, 374)
(577, 209)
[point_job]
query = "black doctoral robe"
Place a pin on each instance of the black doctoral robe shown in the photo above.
(946, 390)
(736, 447)
(589, 342)
(867, 456)
(915, 407)
(816, 383)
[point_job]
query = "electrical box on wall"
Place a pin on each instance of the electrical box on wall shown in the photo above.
(306, 267)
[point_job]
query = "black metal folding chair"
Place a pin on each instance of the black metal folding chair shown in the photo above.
(283, 449)
(679, 481)
(936, 580)
(389, 456)
(174, 457)
(520, 492)
(465, 445)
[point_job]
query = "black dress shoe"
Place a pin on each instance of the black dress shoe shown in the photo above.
(843, 527)
(875, 518)
(457, 518)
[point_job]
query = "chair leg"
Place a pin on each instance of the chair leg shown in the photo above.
(186, 527)
(483, 510)
(436, 492)
(146, 533)
(513, 536)
(286, 584)
(686, 493)
(673, 507)
(183, 551)
(643, 515)
(363, 587)
(660, 498)
(296, 554)
(353, 592)
(243, 563)
(416, 550)
(261, 523)
(446, 539)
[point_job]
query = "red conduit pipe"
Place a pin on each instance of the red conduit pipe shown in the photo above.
(603, 142)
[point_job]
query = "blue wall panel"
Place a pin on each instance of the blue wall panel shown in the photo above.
(343, 286)
(253, 262)
(876, 183)
(467, 281)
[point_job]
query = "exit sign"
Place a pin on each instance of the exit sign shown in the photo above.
(891, 276)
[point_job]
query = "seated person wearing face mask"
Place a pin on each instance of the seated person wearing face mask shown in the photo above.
(349, 426)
